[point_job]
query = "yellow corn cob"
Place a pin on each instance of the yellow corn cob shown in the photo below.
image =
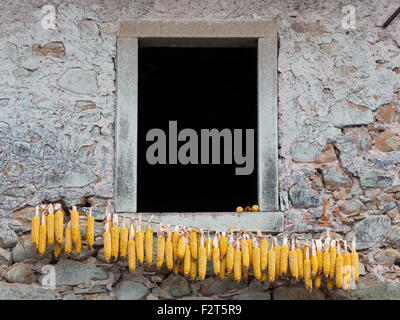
(180, 250)
(314, 260)
(264, 255)
(50, 225)
(346, 268)
(193, 268)
(244, 245)
(148, 242)
(115, 238)
(354, 262)
(307, 272)
(284, 258)
(300, 262)
(193, 244)
(160, 246)
(106, 241)
(58, 223)
(187, 261)
(263, 277)
(245, 272)
(237, 262)
(57, 249)
(329, 283)
(131, 247)
(326, 258)
(271, 264)
(277, 250)
(139, 241)
(319, 254)
(332, 254)
(123, 239)
(175, 239)
(250, 246)
(317, 281)
(75, 229)
(230, 256)
(35, 226)
(293, 261)
(202, 258)
(216, 255)
(339, 268)
(222, 268)
(223, 245)
(256, 259)
(169, 252)
(42, 236)
(209, 248)
(78, 244)
(68, 239)
(90, 230)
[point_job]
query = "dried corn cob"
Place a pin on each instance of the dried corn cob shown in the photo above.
(284, 258)
(245, 253)
(339, 268)
(250, 246)
(68, 239)
(187, 259)
(307, 271)
(35, 226)
(264, 254)
(106, 241)
(57, 249)
(169, 252)
(202, 258)
(256, 259)
(314, 260)
(230, 255)
(78, 244)
(209, 248)
(139, 241)
(216, 255)
(293, 261)
(75, 229)
(131, 247)
(332, 253)
(50, 225)
(300, 261)
(326, 258)
(317, 281)
(193, 244)
(42, 236)
(193, 268)
(115, 238)
(271, 264)
(346, 268)
(148, 243)
(58, 223)
(354, 261)
(277, 250)
(329, 283)
(160, 246)
(318, 244)
(175, 239)
(90, 230)
(222, 270)
(123, 239)
(180, 250)
(237, 262)
(223, 242)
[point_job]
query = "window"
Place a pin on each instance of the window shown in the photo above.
(141, 39)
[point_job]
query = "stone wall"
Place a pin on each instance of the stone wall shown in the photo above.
(339, 123)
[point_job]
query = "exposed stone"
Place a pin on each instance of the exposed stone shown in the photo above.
(17, 192)
(13, 170)
(86, 289)
(20, 273)
(303, 197)
(297, 293)
(253, 296)
(73, 273)
(162, 293)
(365, 143)
(102, 296)
(5, 256)
(131, 290)
(350, 207)
(15, 291)
(213, 286)
(24, 216)
(334, 178)
(8, 238)
(70, 179)
(24, 251)
(376, 179)
(312, 152)
(55, 49)
(387, 142)
(371, 230)
(346, 114)
(21, 148)
(387, 257)
(195, 298)
(83, 255)
(79, 81)
(84, 105)
(394, 236)
(71, 297)
(258, 286)
(176, 285)
(386, 114)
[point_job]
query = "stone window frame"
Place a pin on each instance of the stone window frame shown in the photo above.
(199, 33)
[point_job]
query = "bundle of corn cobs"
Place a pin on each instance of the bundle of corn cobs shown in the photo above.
(188, 249)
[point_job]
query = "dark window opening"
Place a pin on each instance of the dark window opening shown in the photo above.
(200, 88)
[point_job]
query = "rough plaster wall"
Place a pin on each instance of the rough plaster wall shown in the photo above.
(338, 97)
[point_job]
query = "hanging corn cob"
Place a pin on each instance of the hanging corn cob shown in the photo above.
(317, 281)
(75, 229)
(90, 230)
(78, 244)
(223, 245)
(339, 268)
(222, 270)
(139, 241)
(263, 252)
(35, 226)
(169, 252)
(318, 244)
(307, 271)
(250, 246)
(284, 258)
(160, 246)
(42, 236)
(131, 247)
(58, 223)
(346, 268)
(332, 253)
(180, 250)
(115, 237)
(354, 261)
(256, 259)
(230, 255)
(148, 242)
(277, 250)
(106, 242)
(326, 258)
(193, 243)
(237, 262)
(123, 239)
(50, 225)
(216, 255)
(68, 239)
(209, 247)
(202, 257)
(187, 259)
(314, 260)
(300, 260)
(57, 249)
(193, 268)
(244, 245)
(271, 263)
(175, 239)
(293, 261)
